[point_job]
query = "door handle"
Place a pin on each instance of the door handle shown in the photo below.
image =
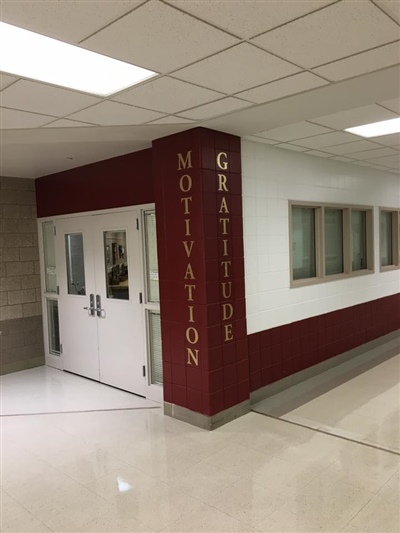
(101, 313)
(91, 309)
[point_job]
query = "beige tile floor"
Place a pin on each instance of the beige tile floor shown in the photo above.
(137, 470)
(359, 402)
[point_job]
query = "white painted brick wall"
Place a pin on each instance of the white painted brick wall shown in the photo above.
(272, 177)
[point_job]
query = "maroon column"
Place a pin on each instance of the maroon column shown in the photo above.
(198, 187)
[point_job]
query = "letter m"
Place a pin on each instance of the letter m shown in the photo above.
(185, 163)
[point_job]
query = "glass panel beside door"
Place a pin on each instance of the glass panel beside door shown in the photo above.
(153, 290)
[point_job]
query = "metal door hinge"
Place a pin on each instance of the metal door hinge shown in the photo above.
(140, 298)
(137, 223)
(58, 289)
(61, 348)
(54, 230)
(144, 371)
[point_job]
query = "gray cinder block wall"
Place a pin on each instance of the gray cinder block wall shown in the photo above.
(21, 338)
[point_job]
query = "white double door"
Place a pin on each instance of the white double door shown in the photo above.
(100, 287)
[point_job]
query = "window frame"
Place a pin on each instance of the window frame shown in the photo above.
(348, 272)
(395, 239)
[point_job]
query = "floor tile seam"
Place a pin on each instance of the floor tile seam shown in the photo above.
(57, 497)
(254, 524)
(359, 511)
(344, 482)
(387, 482)
(208, 464)
(164, 527)
(366, 444)
(377, 490)
(26, 510)
(109, 473)
(79, 412)
(82, 483)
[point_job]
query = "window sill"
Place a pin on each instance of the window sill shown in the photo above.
(294, 284)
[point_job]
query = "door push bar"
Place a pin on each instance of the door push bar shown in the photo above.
(92, 310)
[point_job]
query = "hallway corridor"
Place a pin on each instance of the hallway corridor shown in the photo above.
(132, 469)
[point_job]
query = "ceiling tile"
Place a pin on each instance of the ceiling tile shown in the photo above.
(292, 147)
(391, 7)
(393, 104)
(356, 146)
(114, 114)
(294, 131)
(384, 56)
(341, 158)
(327, 139)
(249, 17)
(171, 120)
(387, 160)
(159, 38)
(167, 95)
(216, 108)
(12, 119)
(389, 140)
(242, 67)
(280, 88)
(69, 21)
(372, 154)
(386, 169)
(355, 117)
(363, 163)
(318, 153)
(65, 123)
(300, 40)
(46, 99)
(6, 80)
(259, 139)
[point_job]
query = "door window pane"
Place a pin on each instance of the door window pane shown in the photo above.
(333, 241)
(53, 326)
(49, 257)
(116, 262)
(303, 242)
(75, 263)
(359, 240)
(151, 257)
(386, 238)
(156, 363)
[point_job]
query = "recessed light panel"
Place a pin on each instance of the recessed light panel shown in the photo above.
(31, 55)
(376, 129)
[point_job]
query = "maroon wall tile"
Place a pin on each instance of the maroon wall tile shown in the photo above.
(285, 350)
(118, 182)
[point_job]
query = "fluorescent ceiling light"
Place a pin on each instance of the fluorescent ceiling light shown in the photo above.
(31, 55)
(376, 129)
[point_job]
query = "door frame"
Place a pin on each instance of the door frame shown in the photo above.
(153, 392)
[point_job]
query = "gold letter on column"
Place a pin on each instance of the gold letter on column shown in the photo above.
(225, 293)
(189, 272)
(190, 292)
(194, 355)
(185, 187)
(188, 249)
(227, 311)
(224, 206)
(222, 164)
(185, 163)
(228, 332)
(222, 179)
